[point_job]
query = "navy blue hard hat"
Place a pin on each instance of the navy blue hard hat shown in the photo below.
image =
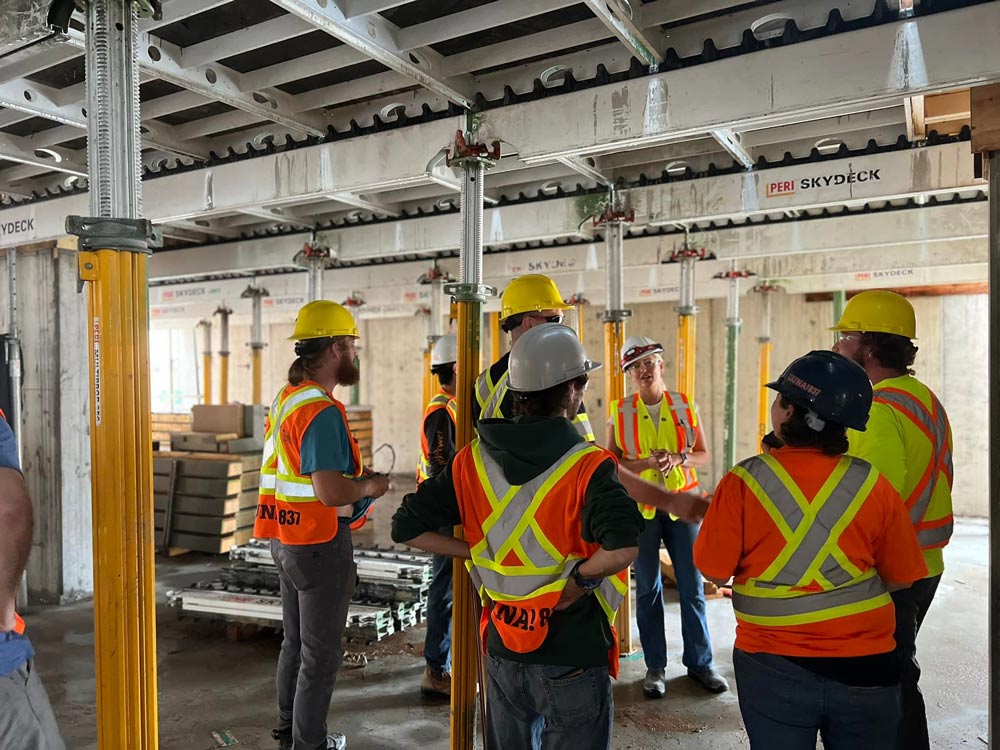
(830, 386)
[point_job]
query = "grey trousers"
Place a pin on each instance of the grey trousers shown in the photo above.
(317, 582)
(26, 719)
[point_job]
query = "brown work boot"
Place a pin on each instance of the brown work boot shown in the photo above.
(436, 684)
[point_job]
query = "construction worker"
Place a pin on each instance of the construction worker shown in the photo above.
(816, 540)
(909, 440)
(26, 718)
(530, 301)
(551, 533)
(310, 479)
(656, 433)
(437, 446)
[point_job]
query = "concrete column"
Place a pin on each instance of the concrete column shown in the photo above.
(56, 422)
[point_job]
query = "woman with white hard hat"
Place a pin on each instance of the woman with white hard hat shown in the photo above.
(656, 433)
(550, 534)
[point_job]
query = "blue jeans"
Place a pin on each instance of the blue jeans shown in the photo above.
(437, 642)
(541, 707)
(678, 537)
(785, 705)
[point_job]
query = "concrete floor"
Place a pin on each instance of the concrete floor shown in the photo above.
(207, 683)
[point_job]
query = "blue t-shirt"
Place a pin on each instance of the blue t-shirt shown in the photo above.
(15, 649)
(326, 446)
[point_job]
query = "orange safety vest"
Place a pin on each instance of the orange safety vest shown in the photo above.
(440, 401)
(525, 540)
(287, 506)
(929, 510)
(18, 622)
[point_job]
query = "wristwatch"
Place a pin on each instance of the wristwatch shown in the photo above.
(684, 458)
(587, 584)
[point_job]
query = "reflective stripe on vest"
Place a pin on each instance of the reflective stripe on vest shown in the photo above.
(490, 397)
(440, 401)
(629, 428)
(288, 508)
(933, 424)
(811, 579)
(515, 564)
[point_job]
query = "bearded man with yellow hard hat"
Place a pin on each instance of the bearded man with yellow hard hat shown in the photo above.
(909, 441)
(533, 300)
(313, 487)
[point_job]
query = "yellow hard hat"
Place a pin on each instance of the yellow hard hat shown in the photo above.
(531, 293)
(322, 319)
(879, 311)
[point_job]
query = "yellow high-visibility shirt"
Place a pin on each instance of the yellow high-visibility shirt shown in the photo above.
(901, 452)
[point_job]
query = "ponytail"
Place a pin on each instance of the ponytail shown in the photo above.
(310, 356)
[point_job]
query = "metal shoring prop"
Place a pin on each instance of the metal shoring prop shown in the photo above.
(114, 247)
(206, 360)
(223, 311)
(257, 343)
(687, 312)
(469, 294)
(14, 367)
(839, 303)
(436, 279)
(733, 326)
(766, 346)
(613, 221)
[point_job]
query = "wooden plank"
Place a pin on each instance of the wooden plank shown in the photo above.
(198, 506)
(249, 499)
(250, 480)
(985, 115)
(210, 525)
(246, 517)
(207, 465)
(202, 441)
(199, 486)
(165, 418)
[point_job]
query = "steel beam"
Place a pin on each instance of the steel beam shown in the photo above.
(249, 38)
(355, 8)
(863, 69)
(646, 45)
(377, 38)
(732, 143)
(21, 150)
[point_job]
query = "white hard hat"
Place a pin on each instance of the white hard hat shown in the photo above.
(545, 356)
(445, 350)
(638, 347)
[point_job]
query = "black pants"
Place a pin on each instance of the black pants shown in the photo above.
(911, 607)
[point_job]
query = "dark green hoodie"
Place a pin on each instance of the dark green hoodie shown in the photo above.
(580, 635)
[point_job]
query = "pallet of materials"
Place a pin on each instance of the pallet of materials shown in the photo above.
(359, 419)
(208, 501)
(164, 427)
(222, 428)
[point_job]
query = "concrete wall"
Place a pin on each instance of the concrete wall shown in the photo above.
(56, 420)
(952, 360)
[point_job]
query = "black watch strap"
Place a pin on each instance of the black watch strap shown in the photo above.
(587, 584)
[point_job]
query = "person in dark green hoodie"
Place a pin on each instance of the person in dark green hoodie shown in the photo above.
(551, 533)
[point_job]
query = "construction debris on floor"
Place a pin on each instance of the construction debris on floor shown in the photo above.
(391, 593)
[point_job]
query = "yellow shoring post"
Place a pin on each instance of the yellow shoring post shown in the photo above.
(687, 311)
(494, 318)
(764, 362)
(223, 312)
(469, 293)
(613, 221)
(121, 482)
(206, 361)
(255, 294)
(428, 379)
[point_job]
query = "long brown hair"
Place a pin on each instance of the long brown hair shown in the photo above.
(310, 354)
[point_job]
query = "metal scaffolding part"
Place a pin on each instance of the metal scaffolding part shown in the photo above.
(495, 334)
(255, 293)
(435, 328)
(223, 312)
(313, 258)
(206, 360)
(839, 303)
(113, 256)
(733, 326)
(765, 345)
(14, 370)
(687, 311)
(613, 221)
(469, 294)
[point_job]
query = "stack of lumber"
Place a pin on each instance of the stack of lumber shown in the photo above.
(207, 500)
(223, 428)
(359, 418)
(165, 425)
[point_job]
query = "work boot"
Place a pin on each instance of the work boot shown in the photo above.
(655, 684)
(283, 738)
(436, 684)
(709, 679)
(335, 741)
